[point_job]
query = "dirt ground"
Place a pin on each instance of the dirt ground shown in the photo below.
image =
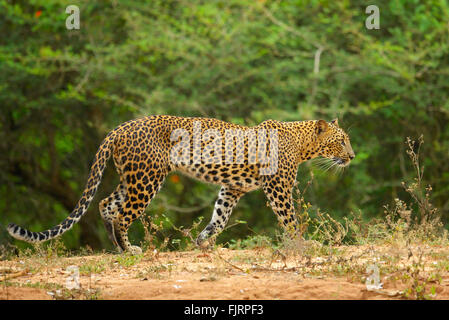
(230, 274)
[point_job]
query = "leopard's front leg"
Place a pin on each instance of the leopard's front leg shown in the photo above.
(280, 195)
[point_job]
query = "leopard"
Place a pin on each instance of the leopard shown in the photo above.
(146, 150)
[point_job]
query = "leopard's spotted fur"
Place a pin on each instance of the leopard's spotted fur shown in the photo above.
(141, 152)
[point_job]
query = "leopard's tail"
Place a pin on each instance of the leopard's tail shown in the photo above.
(96, 172)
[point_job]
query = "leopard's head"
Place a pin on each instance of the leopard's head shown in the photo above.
(333, 142)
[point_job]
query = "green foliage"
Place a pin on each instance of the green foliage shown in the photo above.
(244, 61)
(128, 260)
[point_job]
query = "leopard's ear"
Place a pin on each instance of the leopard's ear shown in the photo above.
(321, 127)
(335, 122)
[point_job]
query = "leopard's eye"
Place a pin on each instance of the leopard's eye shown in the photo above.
(343, 143)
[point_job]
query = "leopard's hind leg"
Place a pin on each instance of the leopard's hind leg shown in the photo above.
(109, 208)
(143, 187)
(142, 163)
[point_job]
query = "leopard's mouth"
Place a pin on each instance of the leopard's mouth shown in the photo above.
(341, 162)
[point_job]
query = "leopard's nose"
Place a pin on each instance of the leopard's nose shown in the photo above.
(352, 156)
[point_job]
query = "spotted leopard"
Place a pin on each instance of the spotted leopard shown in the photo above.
(239, 158)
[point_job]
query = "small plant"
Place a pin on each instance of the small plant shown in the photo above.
(418, 281)
(52, 249)
(419, 220)
(328, 230)
(251, 242)
(428, 220)
(150, 241)
(189, 234)
(90, 268)
(128, 260)
(323, 228)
